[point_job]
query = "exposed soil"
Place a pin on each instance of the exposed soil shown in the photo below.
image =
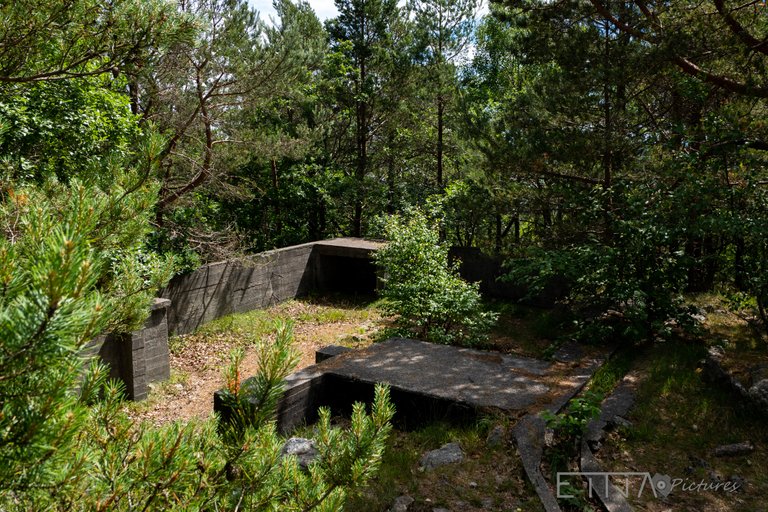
(198, 360)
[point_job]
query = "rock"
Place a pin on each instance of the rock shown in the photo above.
(496, 436)
(620, 422)
(487, 503)
(758, 373)
(401, 504)
(716, 352)
(714, 477)
(734, 450)
(738, 483)
(759, 393)
(447, 454)
(472, 485)
(440, 510)
(549, 437)
(699, 318)
(304, 450)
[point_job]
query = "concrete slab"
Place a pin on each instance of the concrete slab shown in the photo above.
(476, 378)
(430, 381)
(348, 247)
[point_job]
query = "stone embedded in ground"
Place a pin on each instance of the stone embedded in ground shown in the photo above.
(450, 453)
(739, 483)
(496, 436)
(734, 450)
(401, 504)
(304, 450)
(759, 392)
(620, 422)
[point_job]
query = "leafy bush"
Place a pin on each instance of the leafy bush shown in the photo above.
(431, 300)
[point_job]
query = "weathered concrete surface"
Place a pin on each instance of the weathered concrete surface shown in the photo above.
(429, 379)
(344, 265)
(329, 351)
(529, 436)
(473, 377)
(138, 358)
(618, 404)
(264, 279)
(348, 247)
(236, 286)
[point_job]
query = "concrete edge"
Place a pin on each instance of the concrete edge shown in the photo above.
(618, 403)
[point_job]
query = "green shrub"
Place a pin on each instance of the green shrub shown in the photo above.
(431, 300)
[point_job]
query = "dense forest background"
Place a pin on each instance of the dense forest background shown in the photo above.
(616, 148)
(616, 145)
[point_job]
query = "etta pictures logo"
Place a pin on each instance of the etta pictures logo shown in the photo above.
(604, 484)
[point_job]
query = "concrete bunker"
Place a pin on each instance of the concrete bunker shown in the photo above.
(235, 286)
(345, 265)
(427, 382)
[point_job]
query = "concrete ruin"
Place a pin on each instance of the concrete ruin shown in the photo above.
(427, 382)
(219, 289)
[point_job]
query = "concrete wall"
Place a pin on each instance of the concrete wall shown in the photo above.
(475, 266)
(140, 357)
(236, 286)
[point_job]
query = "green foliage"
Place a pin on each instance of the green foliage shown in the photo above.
(67, 442)
(431, 300)
(570, 424)
(64, 129)
(68, 274)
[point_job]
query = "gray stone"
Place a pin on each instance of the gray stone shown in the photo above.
(329, 352)
(759, 393)
(620, 422)
(496, 436)
(738, 482)
(609, 495)
(450, 453)
(401, 504)
(699, 318)
(487, 503)
(304, 450)
(734, 450)
(440, 509)
(615, 406)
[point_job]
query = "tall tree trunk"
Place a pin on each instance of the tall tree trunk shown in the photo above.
(362, 156)
(276, 204)
(440, 129)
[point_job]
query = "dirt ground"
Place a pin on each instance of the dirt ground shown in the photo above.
(198, 360)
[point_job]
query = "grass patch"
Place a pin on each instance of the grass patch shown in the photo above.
(526, 330)
(679, 418)
(487, 477)
(610, 374)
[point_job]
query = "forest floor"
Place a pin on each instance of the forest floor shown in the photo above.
(676, 423)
